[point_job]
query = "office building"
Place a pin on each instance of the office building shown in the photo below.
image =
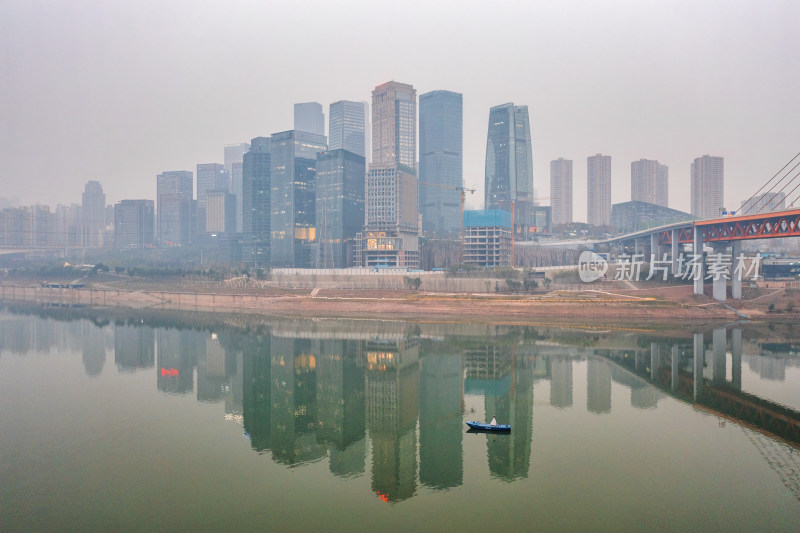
(441, 179)
(349, 127)
(598, 189)
(134, 224)
(339, 206)
(293, 168)
(256, 190)
(649, 182)
(708, 189)
(308, 117)
(174, 191)
(233, 166)
(391, 233)
(210, 176)
(561, 191)
(487, 238)
(509, 165)
(220, 212)
(94, 205)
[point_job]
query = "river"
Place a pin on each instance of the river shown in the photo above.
(162, 421)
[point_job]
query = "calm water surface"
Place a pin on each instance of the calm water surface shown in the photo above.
(164, 422)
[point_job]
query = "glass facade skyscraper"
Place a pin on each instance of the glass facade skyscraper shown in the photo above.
(210, 177)
(339, 205)
(309, 117)
(293, 169)
(233, 164)
(509, 165)
(174, 191)
(256, 189)
(348, 127)
(441, 179)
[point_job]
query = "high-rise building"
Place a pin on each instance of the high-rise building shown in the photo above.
(598, 189)
(394, 126)
(134, 222)
(256, 190)
(649, 182)
(441, 179)
(308, 117)
(174, 191)
(293, 169)
(220, 211)
(210, 176)
(391, 233)
(339, 206)
(708, 189)
(764, 203)
(94, 205)
(233, 165)
(509, 165)
(561, 191)
(348, 127)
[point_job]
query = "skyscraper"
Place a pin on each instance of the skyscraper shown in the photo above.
(708, 190)
(561, 191)
(649, 182)
(256, 189)
(174, 202)
(339, 206)
(509, 165)
(293, 169)
(598, 188)
(348, 127)
(233, 166)
(391, 236)
(394, 121)
(441, 162)
(94, 206)
(210, 176)
(309, 117)
(220, 211)
(133, 224)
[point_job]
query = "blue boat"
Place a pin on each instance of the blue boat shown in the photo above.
(480, 426)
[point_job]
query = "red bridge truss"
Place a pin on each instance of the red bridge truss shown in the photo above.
(763, 226)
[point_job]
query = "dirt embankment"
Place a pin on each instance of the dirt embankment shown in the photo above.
(620, 308)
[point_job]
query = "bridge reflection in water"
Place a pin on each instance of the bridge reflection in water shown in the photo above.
(682, 371)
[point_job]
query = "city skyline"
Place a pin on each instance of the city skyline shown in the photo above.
(649, 101)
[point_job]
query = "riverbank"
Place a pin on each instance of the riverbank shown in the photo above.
(630, 308)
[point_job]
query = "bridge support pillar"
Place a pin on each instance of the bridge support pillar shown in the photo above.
(736, 274)
(698, 364)
(675, 363)
(698, 252)
(720, 347)
(736, 358)
(720, 288)
(675, 251)
(655, 247)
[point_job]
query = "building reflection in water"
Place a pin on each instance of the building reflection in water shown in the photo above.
(397, 397)
(392, 402)
(134, 347)
(441, 428)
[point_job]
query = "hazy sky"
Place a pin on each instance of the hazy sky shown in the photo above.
(121, 91)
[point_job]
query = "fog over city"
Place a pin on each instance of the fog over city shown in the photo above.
(120, 92)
